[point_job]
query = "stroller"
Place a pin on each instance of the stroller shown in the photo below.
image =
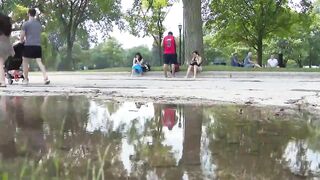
(12, 65)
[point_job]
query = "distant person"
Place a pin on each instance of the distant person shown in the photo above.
(170, 54)
(248, 62)
(5, 46)
(273, 62)
(235, 61)
(31, 37)
(137, 64)
(195, 64)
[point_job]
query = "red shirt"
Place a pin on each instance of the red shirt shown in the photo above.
(169, 45)
(169, 116)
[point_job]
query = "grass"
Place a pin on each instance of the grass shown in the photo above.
(214, 68)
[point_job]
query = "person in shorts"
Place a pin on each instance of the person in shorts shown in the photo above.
(195, 64)
(170, 54)
(31, 37)
(5, 46)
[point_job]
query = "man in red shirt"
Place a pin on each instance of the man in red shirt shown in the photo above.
(170, 53)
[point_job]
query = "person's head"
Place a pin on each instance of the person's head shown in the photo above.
(32, 12)
(249, 54)
(272, 56)
(138, 56)
(195, 54)
(5, 25)
(235, 54)
(170, 33)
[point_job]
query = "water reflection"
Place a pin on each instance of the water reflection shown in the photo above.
(155, 141)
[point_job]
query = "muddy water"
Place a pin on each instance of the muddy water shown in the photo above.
(79, 138)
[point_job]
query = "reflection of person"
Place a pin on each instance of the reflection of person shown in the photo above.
(7, 129)
(31, 37)
(169, 117)
(195, 64)
(272, 62)
(5, 46)
(248, 62)
(170, 54)
(137, 64)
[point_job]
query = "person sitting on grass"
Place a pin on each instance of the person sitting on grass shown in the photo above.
(137, 64)
(195, 64)
(235, 61)
(249, 63)
(272, 62)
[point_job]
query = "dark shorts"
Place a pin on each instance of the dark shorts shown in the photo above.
(32, 52)
(170, 59)
(194, 64)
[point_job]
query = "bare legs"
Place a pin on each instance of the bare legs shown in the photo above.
(165, 70)
(2, 75)
(42, 68)
(195, 71)
(25, 65)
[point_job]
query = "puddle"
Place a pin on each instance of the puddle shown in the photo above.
(80, 138)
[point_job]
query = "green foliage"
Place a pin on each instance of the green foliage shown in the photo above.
(19, 13)
(251, 22)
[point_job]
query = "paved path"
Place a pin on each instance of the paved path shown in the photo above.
(260, 88)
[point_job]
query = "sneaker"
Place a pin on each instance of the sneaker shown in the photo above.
(47, 82)
(25, 82)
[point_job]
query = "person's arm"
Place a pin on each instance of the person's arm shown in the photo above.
(23, 33)
(134, 61)
(22, 36)
(199, 60)
(141, 62)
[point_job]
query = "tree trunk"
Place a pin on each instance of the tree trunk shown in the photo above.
(192, 136)
(260, 51)
(193, 28)
(69, 60)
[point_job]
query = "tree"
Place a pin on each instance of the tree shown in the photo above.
(251, 22)
(76, 18)
(193, 27)
(146, 17)
(108, 54)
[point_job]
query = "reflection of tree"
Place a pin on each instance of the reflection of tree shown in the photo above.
(251, 143)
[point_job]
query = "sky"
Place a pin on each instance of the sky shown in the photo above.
(174, 18)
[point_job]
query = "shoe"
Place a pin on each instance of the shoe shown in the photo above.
(47, 82)
(25, 82)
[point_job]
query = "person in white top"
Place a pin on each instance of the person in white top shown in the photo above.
(273, 62)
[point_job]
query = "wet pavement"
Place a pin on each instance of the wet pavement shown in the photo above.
(74, 137)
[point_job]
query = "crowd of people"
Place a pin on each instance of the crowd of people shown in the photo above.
(30, 37)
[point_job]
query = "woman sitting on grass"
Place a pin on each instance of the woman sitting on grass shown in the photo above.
(249, 63)
(137, 64)
(195, 64)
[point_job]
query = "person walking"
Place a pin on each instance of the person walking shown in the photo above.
(5, 46)
(31, 37)
(170, 54)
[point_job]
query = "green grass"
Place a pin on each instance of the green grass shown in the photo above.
(215, 68)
